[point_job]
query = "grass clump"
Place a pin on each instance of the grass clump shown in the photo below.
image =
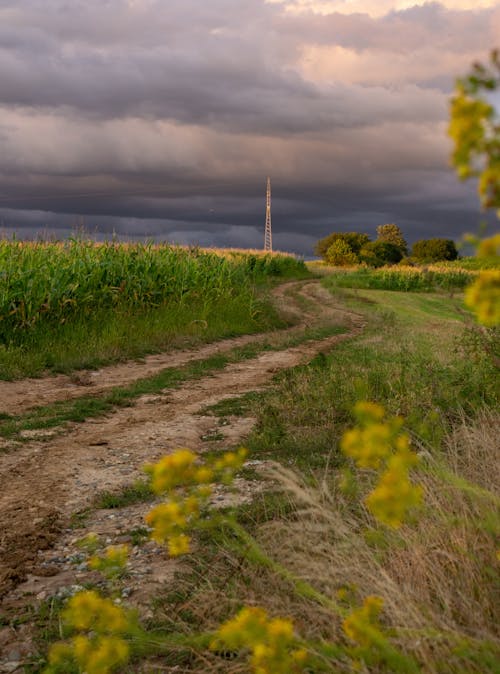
(138, 492)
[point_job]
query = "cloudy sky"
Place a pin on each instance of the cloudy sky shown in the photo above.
(162, 118)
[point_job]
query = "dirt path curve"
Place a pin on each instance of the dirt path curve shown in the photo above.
(43, 483)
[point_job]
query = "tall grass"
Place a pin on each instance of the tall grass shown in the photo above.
(77, 303)
(52, 283)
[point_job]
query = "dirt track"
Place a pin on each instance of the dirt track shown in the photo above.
(44, 482)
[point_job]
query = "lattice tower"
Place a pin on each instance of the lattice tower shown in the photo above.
(268, 235)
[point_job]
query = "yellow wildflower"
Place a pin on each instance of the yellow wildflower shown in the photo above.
(367, 412)
(186, 481)
(103, 648)
(166, 519)
(489, 247)
(376, 439)
(204, 475)
(368, 446)
(89, 611)
(174, 470)
(271, 641)
(178, 545)
(105, 654)
(483, 297)
(362, 625)
(113, 562)
(395, 495)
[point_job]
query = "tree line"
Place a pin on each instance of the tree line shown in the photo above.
(349, 248)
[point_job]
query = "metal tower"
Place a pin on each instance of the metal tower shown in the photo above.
(268, 236)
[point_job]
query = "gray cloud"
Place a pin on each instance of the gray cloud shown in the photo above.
(163, 119)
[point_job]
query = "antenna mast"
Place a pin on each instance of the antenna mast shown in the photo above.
(268, 236)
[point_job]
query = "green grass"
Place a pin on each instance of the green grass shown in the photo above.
(112, 337)
(80, 305)
(138, 492)
(411, 358)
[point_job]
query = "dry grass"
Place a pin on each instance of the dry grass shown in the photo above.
(436, 575)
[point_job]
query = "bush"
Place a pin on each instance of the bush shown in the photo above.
(392, 234)
(434, 250)
(380, 253)
(354, 240)
(341, 254)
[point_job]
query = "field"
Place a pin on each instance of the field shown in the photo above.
(78, 304)
(292, 532)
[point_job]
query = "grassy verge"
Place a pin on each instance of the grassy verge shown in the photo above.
(107, 337)
(436, 575)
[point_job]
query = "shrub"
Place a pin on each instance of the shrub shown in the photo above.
(341, 254)
(392, 234)
(380, 253)
(434, 250)
(354, 240)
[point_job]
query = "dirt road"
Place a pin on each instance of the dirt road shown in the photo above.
(45, 481)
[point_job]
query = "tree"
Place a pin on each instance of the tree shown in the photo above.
(475, 130)
(341, 254)
(433, 250)
(353, 239)
(380, 253)
(392, 234)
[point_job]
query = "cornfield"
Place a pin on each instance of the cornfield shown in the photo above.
(407, 279)
(45, 284)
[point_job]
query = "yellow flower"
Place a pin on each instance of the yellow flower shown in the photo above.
(483, 297)
(271, 641)
(367, 412)
(362, 625)
(172, 471)
(395, 495)
(204, 475)
(89, 611)
(113, 562)
(489, 247)
(165, 518)
(368, 446)
(107, 654)
(178, 545)
(376, 439)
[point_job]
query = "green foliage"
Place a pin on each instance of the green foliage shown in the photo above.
(391, 233)
(47, 284)
(380, 253)
(73, 305)
(434, 250)
(353, 239)
(341, 254)
(475, 130)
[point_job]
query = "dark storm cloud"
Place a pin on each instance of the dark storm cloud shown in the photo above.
(163, 119)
